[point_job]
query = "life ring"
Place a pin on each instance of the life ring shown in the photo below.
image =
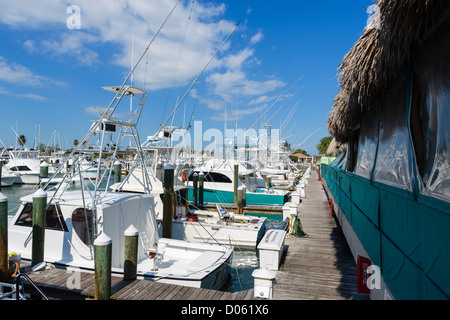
(183, 176)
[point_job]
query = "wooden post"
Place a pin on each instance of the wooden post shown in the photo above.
(43, 170)
(195, 184)
(239, 201)
(236, 183)
(4, 274)
(102, 262)
(1, 166)
(39, 219)
(244, 196)
(117, 171)
(168, 201)
(131, 253)
(201, 179)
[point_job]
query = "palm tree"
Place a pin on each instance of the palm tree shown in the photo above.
(21, 140)
(323, 145)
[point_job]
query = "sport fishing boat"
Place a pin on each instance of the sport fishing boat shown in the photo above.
(189, 224)
(220, 227)
(219, 180)
(8, 177)
(26, 164)
(75, 218)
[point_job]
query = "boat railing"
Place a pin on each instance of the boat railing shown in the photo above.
(24, 276)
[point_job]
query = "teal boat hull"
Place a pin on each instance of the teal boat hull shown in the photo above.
(227, 197)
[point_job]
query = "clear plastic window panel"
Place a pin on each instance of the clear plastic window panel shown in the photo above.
(433, 69)
(394, 157)
(368, 140)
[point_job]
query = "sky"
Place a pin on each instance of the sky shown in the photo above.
(278, 67)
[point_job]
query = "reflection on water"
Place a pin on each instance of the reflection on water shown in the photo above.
(245, 261)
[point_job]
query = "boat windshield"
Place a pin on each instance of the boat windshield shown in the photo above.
(53, 221)
(22, 154)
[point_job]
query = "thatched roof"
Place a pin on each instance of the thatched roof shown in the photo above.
(334, 148)
(376, 58)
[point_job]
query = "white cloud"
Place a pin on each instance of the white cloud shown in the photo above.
(30, 96)
(114, 22)
(12, 72)
(33, 14)
(260, 100)
(167, 63)
(232, 115)
(256, 38)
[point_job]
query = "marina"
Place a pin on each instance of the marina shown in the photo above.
(217, 196)
(299, 276)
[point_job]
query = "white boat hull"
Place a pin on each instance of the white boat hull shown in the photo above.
(27, 178)
(8, 181)
(212, 230)
(180, 262)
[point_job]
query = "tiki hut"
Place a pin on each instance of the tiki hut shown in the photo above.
(391, 188)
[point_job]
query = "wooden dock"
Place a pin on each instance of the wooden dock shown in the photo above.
(60, 283)
(318, 267)
(321, 266)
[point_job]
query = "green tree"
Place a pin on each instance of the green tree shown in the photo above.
(300, 151)
(295, 159)
(323, 145)
(286, 146)
(21, 140)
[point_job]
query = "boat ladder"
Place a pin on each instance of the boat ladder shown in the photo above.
(145, 242)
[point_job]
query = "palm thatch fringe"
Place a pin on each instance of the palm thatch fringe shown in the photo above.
(376, 59)
(335, 147)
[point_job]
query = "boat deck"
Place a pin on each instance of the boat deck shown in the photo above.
(61, 283)
(320, 266)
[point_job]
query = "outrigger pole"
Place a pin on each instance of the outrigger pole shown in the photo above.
(196, 79)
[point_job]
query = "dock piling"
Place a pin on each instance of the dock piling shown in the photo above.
(1, 165)
(117, 171)
(43, 170)
(168, 201)
(195, 191)
(3, 237)
(236, 183)
(131, 253)
(102, 261)
(240, 200)
(39, 218)
(201, 179)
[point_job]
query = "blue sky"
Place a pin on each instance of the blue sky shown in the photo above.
(51, 75)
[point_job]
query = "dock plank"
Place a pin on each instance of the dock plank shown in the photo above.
(58, 280)
(321, 266)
